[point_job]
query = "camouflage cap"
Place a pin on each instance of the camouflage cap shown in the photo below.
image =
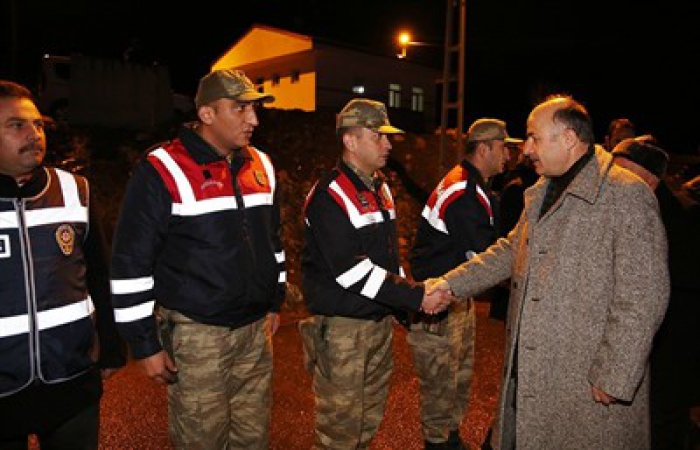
(228, 83)
(488, 130)
(362, 112)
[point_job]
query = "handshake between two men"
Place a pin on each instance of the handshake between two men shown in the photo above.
(438, 296)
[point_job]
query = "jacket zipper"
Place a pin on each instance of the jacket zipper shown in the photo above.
(235, 167)
(29, 287)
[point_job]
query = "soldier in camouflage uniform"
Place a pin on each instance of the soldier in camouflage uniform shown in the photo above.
(459, 220)
(199, 237)
(352, 283)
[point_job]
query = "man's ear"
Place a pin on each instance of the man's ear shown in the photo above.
(206, 114)
(482, 148)
(570, 138)
(350, 141)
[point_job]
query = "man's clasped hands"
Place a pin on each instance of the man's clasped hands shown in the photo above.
(438, 296)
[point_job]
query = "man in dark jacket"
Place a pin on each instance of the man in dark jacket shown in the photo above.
(54, 287)
(199, 236)
(675, 356)
(459, 220)
(353, 281)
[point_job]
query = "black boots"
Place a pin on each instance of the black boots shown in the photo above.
(486, 445)
(454, 442)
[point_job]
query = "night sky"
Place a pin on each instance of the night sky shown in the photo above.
(620, 58)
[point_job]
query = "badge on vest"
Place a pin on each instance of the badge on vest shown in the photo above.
(65, 237)
(260, 177)
(363, 200)
(5, 246)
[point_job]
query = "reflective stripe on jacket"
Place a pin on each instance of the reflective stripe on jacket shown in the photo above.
(200, 236)
(46, 327)
(351, 258)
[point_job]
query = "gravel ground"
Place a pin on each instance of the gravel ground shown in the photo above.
(134, 412)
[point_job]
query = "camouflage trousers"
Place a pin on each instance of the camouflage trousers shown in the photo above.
(223, 396)
(444, 363)
(351, 381)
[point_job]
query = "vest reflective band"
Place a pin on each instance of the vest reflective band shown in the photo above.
(485, 202)
(450, 189)
(50, 318)
(281, 258)
(134, 313)
(189, 205)
(132, 285)
(361, 207)
(71, 211)
(434, 210)
(355, 274)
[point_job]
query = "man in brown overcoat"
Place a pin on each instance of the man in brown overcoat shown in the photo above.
(590, 285)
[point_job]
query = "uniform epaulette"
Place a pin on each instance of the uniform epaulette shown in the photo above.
(327, 177)
(153, 147)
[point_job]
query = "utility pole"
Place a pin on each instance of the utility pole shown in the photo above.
(14, 31)
(455, 41)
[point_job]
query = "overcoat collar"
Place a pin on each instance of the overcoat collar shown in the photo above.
(586, 185)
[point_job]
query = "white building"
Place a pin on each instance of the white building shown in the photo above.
(308, 73)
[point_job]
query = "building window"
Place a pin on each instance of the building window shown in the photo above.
(417, 99)
(275, 80)
(359, 89)
(295, 76)
(394, 96)
(260, 84)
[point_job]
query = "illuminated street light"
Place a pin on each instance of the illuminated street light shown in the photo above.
(404, 42)
(455, 42)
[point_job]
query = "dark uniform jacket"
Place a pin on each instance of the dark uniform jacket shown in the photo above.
(351, 259)
(200, 236)
(458, 221)
(54, 289)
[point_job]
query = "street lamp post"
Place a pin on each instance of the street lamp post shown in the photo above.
(454, 42)
(405, 40)
(453, 45)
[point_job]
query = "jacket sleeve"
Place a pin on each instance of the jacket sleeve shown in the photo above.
(341, 247)
(138, 238)
(112, 348)
(276, 231)
(488, 268)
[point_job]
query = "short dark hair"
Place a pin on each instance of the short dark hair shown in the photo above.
(470, 147)
(10, 89)
(623, 123)
(575, 116)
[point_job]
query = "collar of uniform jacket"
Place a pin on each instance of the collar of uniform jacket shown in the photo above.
(474, 173)
(377, 180)
(200, 150)
(10, 189)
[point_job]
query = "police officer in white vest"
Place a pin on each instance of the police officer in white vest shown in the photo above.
(57, 334)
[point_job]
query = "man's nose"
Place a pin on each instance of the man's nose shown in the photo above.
(252, 118)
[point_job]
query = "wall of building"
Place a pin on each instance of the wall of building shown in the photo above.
(308, 74)
(263, 43)
(290, 78)
(339, 70)
(105, 92)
